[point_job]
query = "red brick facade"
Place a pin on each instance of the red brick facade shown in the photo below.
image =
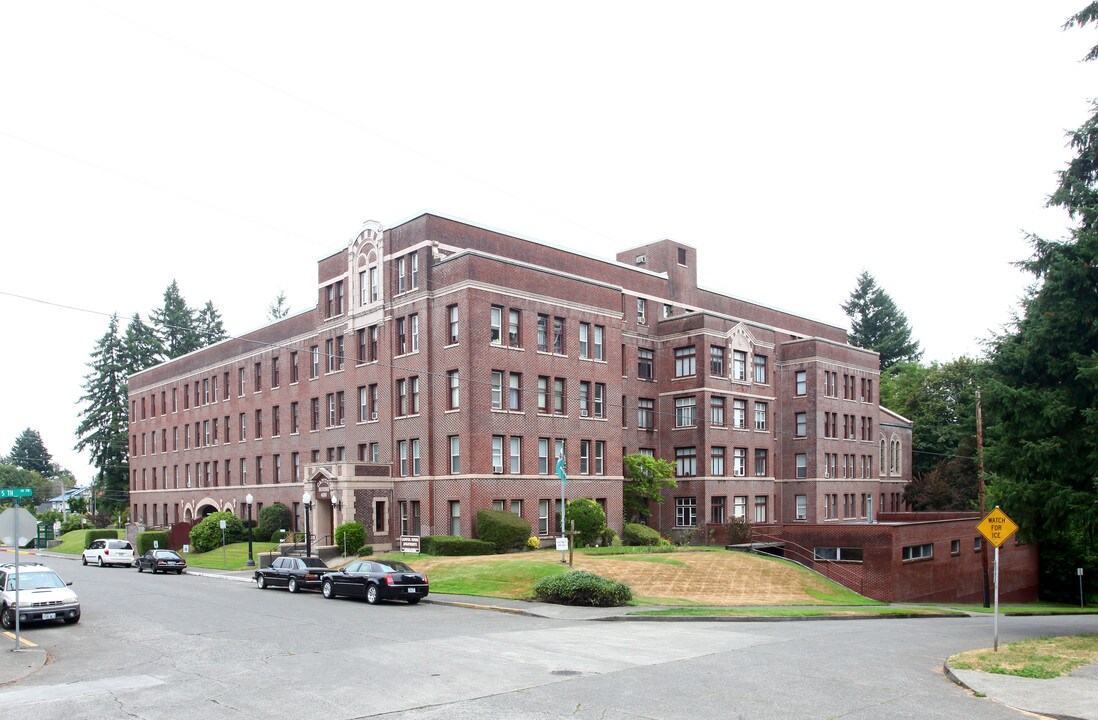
(765, 413)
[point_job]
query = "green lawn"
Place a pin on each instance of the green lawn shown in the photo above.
(235, 556)
(73, 542)
(1041, 658)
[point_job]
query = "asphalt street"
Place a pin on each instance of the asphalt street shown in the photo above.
(197, 647)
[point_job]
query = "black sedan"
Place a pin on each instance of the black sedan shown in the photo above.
(161, 561)
(377, 580)
(293, 573)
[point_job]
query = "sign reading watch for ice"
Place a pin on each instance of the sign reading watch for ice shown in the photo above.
(997, 527)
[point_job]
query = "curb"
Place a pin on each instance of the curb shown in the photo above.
(476, 606)
(189, 571)
(961, 683)
(767, 618)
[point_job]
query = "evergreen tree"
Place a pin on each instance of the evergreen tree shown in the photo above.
(104, 420)
(30, 453)
(141, 347)
(1043, 394)
(175, 324)
(278, 309)
(876, 323)
(209, 326)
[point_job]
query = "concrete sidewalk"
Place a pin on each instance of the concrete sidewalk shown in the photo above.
(1067, 698)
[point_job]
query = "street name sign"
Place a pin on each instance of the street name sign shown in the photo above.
(997, 527)
(15, 492)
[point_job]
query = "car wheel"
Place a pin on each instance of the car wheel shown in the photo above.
(292, 586)
(7, 618)
(413, 601)
(101, 563)
(72, 620)
(328, 589)
(371, 594)
(84, 559)
(152, 569)
(139, 568)
(261, 582)
(179, 572)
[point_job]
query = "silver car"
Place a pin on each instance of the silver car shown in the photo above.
(42, 596)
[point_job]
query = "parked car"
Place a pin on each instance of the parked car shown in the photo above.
(42, 596)
(377, 580)
(162, 561)
(106, 551)
(294, 573)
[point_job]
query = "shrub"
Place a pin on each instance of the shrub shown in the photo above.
(49, 517)
(73, 523)
(609, 537)
(739, 531)
(272, 518)
(635, 534)
(453, 545)
(588, 518)
(97, 535)
(350, 535)
(533, 543)
(582, 588)
(365, 551)
(145, 540)
(206, 535)
(505, 530)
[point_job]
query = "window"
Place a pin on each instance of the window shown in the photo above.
(801, 501)
(455, 518)
(645, 413)
(543, 456)
(543, 517)
(415, 270)
(402, 454)
(455, 397)
(293, 368)
(402, 397)
(597, 347)
(761, 457)
(760, 416)
(954, 547)
(760, 369)
(666, 311)
(686, 462)
(401, 336)
(716, 360)
(682, 256)
(739, 507)
(685, 361)
(516, 507)
(496, 334)
(558, 396)
(918, 552)
(314, 407)
(516, 459)
(452, 318)
(716, 461)
(686, 511)
(801, 381)
(739, 365)
(243, 471)
(455, 455)
(801, 461)
(401, 275)
(801, 423)
(600, 393)
(413, 326)
(242, 382)
(373, 335)
(514, 328)
(645, 364)
(642, 311)
(497, 390)
(274, 374)
(585, 457)
(363, 404)
(716, 411)
(838, 553)
(717, 509)
(739, 462)
(543, 394)
(584, 339)
(558, 335)
(276, 421)
(514, 391)
(684, 411)
(243, 428)
(543, 333)
(600, 457)
(375, 284)
(331, 402)
(314, 351)
(760, 508)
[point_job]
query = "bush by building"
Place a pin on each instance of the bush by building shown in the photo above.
(350, 535)
(453, 545)
(272, 518)
(207, 535)
(634, 534)
(365, 551)
(582, 588)
(588, 519)
(505, 530)
(146, 539)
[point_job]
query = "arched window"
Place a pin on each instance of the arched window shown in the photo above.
(895, 466)
(882, 464)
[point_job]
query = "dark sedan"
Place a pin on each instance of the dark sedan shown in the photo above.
(161, 561)
(293, 573)
(377, 580)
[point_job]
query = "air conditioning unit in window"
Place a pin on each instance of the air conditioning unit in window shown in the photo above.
(373, 416)
(583, 412)
(497, 469)
(642, 259)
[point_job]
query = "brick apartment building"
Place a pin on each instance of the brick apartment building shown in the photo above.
(446, 366)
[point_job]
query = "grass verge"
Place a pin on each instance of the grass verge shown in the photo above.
(235, 556)
(72, 542)
(1040, 658)
(1037, 608)
(799, 612)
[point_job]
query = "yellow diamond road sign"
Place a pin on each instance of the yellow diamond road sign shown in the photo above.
(997, 527)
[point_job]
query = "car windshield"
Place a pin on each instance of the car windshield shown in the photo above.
(394, 566)
(35, 581)
(167, 554)
(314, 562)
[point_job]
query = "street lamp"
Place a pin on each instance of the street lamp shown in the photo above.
(248, 503)
(307, 501)
(338, 505)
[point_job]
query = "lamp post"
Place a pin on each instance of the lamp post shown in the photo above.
(248, 503)
(338, 505)
(307, 501)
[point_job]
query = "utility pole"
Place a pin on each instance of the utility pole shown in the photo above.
(983, 490)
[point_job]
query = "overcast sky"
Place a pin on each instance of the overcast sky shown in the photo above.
(229, 146)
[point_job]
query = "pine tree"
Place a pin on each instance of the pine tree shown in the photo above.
(175, 324)
(876, 323)
(104, 425)
(278, 309)
(209, 326)
(1043, 394)
(30, 453)
(141, 347)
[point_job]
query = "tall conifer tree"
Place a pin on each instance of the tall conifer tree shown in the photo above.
(175, 324)
(876, 323)
(209, 326)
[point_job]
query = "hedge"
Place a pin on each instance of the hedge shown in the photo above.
(635, 534)
(588, 519)
(145, 540)
(365, 551)
(453, 545)
(350, 535)
(505, 530)
(207, 535)
(272, 518)
(582, 588)
(93, 535)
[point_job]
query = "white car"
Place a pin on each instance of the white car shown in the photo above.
(106, 551)
(42, 596)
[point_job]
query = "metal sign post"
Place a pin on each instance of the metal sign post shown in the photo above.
(997, 527)
(15, 494)
(563, 480)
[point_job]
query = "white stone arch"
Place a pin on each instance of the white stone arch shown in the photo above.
(739, 338)
(895, 449)
(366, 249)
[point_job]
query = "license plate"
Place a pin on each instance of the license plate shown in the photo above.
(49, 616)
(411, 590)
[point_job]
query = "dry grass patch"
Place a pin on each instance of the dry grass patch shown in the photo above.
(1041, 658)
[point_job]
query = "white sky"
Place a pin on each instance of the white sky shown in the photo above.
(231, 145)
